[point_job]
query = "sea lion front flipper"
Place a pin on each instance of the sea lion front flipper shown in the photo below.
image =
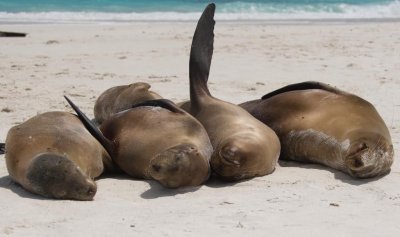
(307, 85)
(201, 54)
(107, 144)
(163, 103)
(2, 148)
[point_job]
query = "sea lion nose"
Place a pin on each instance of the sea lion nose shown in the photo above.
(156, 168)
(90, 191)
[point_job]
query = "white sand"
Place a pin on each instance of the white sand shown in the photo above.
(81, 61)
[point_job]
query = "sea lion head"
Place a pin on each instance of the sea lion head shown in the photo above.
(133, 94)
(56, 176)
(240, 157)
(181, 165)
(370, 155)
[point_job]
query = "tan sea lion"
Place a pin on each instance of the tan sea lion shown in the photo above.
(156, 140)
(53, 155)
(321, 124)
(243, 146)
(119, 98)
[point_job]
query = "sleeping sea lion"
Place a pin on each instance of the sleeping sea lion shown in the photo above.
(243, 146)
(156, 140)
(53, 155)
(321, 124)
(119, 98)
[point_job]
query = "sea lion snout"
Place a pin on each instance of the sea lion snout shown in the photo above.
(182, 165)
(366, 160)
(83, 192)
(236, 158)
(56, 176)
(230, 155)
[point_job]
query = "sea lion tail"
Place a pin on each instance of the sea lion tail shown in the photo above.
(163, 103)
(201, 54)
(107, 144)
(2, 148)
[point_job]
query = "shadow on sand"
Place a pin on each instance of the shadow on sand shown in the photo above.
(156, 189)
(339, 175)
(7, 183)
(216, 182)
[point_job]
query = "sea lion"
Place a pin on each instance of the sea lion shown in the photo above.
(321, 124)
(119, 98)
(156, 140)
(243, 146)
(53, 155)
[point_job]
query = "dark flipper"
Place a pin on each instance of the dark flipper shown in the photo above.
(2, 148)
(201, 54)
(308, 85)
(163, 103)
(107, 144)
(11, 34)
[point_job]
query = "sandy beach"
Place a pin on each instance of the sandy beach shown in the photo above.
(250, 59)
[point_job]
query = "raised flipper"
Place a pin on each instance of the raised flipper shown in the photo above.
(308, 85)
(201, 55)
(2, 148)
(163, 103)
(107, 144)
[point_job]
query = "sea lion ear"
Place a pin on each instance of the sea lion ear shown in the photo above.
(163, 103)
(96, 133)
(141, 86)
(307, 85)
(2, 148)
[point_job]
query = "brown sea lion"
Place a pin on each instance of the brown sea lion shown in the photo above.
(53, 155)
(321, 124)
(243, 146)
(119, 98)
(156, 140)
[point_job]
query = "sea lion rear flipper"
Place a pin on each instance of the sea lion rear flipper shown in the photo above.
(201, 54)
(107, 144)
(2, 148)
(307, 85)
(163, 103)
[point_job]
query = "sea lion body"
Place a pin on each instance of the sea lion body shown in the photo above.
(243, 146)
(320, 124)
(156, 140)
(119, 98)
(53, 155)
(153, 140)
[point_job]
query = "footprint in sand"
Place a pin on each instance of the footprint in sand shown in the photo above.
(7, 110)
(52, 42)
